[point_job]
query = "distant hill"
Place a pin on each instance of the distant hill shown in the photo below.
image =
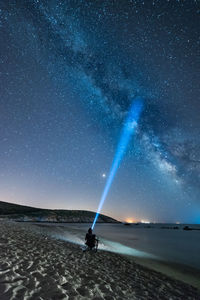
(31, 214)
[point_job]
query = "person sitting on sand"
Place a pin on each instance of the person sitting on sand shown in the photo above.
(90, 239)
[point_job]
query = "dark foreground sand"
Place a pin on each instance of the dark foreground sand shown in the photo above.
(35, 266)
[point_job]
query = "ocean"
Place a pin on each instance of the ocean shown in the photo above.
(156, 241)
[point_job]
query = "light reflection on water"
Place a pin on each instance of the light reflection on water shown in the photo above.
(76, 236)
(178, 246)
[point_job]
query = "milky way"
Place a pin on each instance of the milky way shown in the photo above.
(69, 73)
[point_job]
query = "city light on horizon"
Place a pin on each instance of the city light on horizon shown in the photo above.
(129, 220)
(145, 222)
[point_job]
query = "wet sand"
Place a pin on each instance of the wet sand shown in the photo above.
(183, 273)
(35, 266)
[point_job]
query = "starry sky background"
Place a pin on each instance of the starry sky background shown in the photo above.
(69, 71)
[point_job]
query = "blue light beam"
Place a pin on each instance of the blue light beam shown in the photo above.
(128, 130)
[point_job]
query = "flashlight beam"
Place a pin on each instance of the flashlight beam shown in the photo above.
(128, 130)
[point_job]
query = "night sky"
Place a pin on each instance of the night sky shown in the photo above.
(69, 71)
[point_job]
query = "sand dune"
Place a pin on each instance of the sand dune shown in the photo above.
(35, 266)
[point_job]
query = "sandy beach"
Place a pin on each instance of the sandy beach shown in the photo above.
(35, 266)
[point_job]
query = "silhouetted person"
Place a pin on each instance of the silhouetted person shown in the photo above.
(90, 239)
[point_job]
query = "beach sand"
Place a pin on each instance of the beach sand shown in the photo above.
(35, 266)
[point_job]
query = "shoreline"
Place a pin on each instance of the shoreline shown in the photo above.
(34, 265)
(176, 271)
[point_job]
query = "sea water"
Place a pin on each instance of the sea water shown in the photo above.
(159, 241)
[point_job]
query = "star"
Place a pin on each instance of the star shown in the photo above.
(66, 96)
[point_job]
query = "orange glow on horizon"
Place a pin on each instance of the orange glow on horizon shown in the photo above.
(129, 220)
